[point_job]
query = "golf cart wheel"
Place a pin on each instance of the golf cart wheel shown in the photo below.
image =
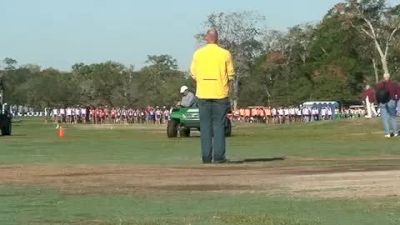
(185, 132)
(172, 129)
(6, 128)
(228, 128)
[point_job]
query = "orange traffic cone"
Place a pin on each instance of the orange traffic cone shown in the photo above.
(61, 132)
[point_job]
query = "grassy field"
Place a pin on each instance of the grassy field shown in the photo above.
(34, 142)
(97, 175)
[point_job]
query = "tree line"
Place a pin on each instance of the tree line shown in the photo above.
(354, 44)
(100, 84)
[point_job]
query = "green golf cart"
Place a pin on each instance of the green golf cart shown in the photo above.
(183, 120)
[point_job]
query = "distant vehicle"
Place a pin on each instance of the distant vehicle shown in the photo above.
(357, 107)
(256, 107)
(319, 104)
(183, 120)
(347, 104)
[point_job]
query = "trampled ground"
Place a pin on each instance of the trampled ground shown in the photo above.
(349, 178)
(326, 173)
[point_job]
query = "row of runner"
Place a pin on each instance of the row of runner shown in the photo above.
(160, 115)
(282, 115)
(107, 115)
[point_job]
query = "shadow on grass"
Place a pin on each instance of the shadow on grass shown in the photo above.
(257, 160)
(13, 135)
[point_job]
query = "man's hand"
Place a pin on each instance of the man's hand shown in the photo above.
(231, 88)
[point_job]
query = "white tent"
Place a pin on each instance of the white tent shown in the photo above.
(319, 104)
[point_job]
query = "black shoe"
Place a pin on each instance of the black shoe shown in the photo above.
(221, 161)
(207, 162)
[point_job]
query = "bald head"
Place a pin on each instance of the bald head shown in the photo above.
(212, 36)
(386, 76)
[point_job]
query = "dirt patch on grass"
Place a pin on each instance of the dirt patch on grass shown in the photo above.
(322, 178)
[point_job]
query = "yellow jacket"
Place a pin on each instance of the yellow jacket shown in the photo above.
(212, 68)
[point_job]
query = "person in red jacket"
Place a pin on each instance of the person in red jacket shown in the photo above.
(368, 98)
(387, 96)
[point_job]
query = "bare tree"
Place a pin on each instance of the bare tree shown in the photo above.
(240, 32)
(378, 22)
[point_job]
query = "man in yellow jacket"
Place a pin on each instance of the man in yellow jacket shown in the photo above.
(213, 71)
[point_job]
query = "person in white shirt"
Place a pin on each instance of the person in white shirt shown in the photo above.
(305, 114)
(274, 115)
(124, 116)
(55, 115)
(167, 115)
(314, 113)
(281, 115)
(68, 114)
(298, 115)
(62, 114)
(83, 115)
(292, 113)
(136, 116)
(72, 115)
(330, 113)
(77, 116)
(285, 115)
(158, 116)
(323, 113)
